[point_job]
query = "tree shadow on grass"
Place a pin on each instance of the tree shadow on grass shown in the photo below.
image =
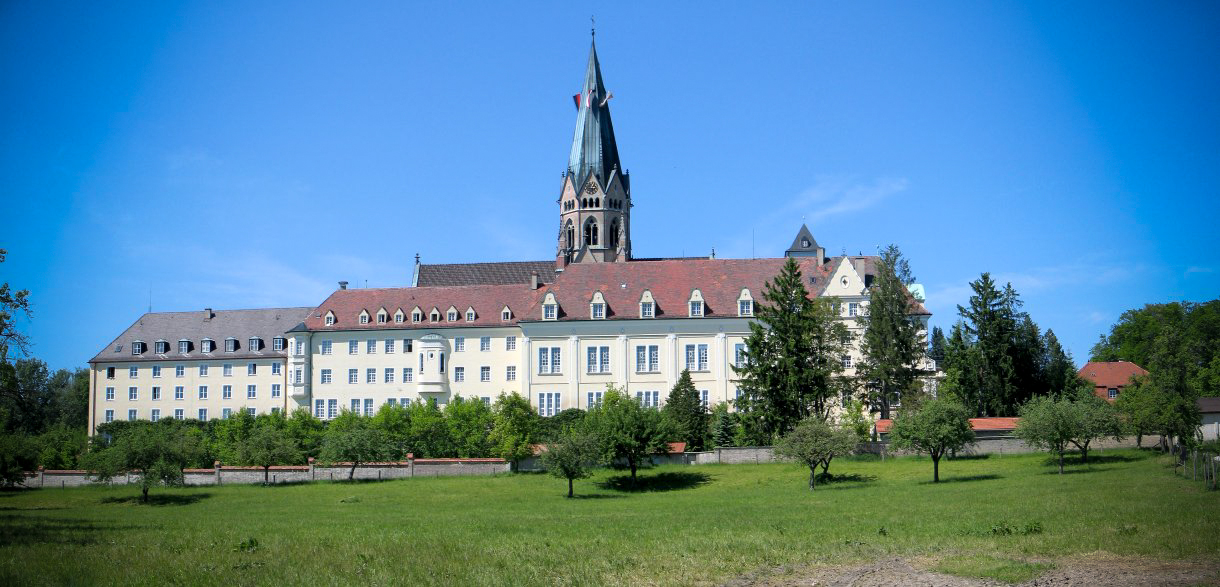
(597, 496)
(844, 480)
(25, 530)
(1095, 458)
(160, 499)
(1078, 469)
(963, 479)
(668, 481)
(964, 457)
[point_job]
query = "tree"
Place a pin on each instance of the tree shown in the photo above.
(307, 430)
(793, 355)
(939, 426)
(1049, 424)
(429, 436)
(1140, 404)
(936, 347)
(1097, 419)
(12, 304)
(1059, 370)
(572, 454)
(228, 434)
(395, 421)
(723, 425)
(514, 430)
(685, 415)
(268, 446)
(553, 426)
(628, 430)
(352, 440)
(470, 423)
(891, 343)
(815, 442)
(18, 454)
(158, 450)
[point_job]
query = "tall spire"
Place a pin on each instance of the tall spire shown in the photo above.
(594, 151)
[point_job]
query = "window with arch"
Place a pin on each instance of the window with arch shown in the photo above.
(569, 234)
(590, 232)
(614, 230)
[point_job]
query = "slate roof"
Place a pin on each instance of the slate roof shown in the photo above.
(487, 301)
(1110, 373)
(1208, 405)
(515, 272)
(594, 151)
(195, 326)
(798, 247)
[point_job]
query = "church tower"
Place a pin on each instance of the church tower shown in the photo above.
(595, 199)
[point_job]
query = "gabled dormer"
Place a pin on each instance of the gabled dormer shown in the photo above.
(695, 307)
(745, 303)
(417, 315)
(598, 309)
(550, 307)
(506, 314)
(648, 305)
(451, 315)
(471, 315)
(383, 316)
(399, 316)
(434, 315)
(329, 318)
(363, 317)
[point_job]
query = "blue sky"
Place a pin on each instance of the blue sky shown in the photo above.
(239, 154)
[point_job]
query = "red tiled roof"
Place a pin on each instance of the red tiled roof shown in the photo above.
(1110, 374)
(976, 424)
(677, 447)
(487, 301)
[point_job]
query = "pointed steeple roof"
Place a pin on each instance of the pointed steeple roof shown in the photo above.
(803, 245)
(594, 151)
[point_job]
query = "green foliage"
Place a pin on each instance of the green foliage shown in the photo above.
(1096, 419)
(18, 454)
(936, 346)
(354, 441)
(572, 455)
(628, 431)
(855, 419)
(470, 423)
(226, 435)
(429, 435)
(158, 450)
(12, 304)
(267, 446)
(514, 429)
(815, 442)
(793, 358)
(306, 430)
(685, 415)
(939, 426)
(555, 425)
(724, 425)
(1050, 424)
(892, 341)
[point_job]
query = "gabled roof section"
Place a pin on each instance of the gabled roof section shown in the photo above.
(486, 300)
(195, 326)
(803, 244)
(510, 272)
(1110, 373)
(594, 151)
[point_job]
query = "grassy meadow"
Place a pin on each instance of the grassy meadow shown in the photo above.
(1007, 517)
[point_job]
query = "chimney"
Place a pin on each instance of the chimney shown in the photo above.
(533, 280)
(342, 285)
(208, 314)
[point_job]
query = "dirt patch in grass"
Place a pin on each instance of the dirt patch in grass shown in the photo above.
(1093, 570)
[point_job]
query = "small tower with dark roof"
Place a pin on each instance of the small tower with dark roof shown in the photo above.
(805, 246)
(595, 198)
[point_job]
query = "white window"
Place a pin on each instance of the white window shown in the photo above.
(277, 343)
(179, 370)
(408, 375)
(549, 311)
(470, 315)
(745, 307)
(648, 399)
(1112, 393)
(203, 370)
(253, 412)
(156, 371)
(137, 348)
(598, 311)
(389, 346)
(370, 375)
(696, 357)
(230, 345)
(405, 401)
(549, 403)
(451, 315)
(370, 347)
(364, 317)
(696, 308)
(485, 343)
(398, 317)
(226, 392)
(207, 345)
(300, 347)
(847, 361)
(406, 345)
(594, 398)
(353, 376)
(647, 359)
(389, 375)
(646, 310)
(332, 408)
(109, 372)
(506, 315)
(184, 346)
(330, 319)
(156, 415)
(368, 406)
(416, 316)
(133, 372)
(133, 393)
(549, 360)
(252, 369)
(319, 409)
(225, 413)
(203, 414)
(131, 414)
(161, 346)
(459, 374)
(381, 317)
(353, 347)
(251, 391)
(459, 344)
(325, 347)
(109, 394)
(227, 369)
(109, 415)
(703, 396)
(275, 390)
(485, 373)
(179, 414)
(510, 373)
(510, 343)
(255, 343)
(326, 376)
(298, 376)
(179, 392)
(739, 355)
(597, 359)
(276, 368)
(852, 308)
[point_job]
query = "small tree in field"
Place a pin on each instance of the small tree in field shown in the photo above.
(356, 442)
(158, 450)
(515, 428)
(268, 446)
(572, 454)
(816, 442)
(1098, 419)
(628, 430)
(941, 425)
(1049, 424)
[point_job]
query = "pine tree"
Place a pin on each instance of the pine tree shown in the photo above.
(892, 344)
(685, 414)
(936, 348)
(723, 426)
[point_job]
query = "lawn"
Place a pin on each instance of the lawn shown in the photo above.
(681, 525)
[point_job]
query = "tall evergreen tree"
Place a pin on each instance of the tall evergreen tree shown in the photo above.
(988, 326)
(685, 414)
(793, 356)
(892, 342)
(936, 347)
(1059, 371)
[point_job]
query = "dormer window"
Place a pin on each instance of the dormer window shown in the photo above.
(646, 310)
(161, 347)
(207, 345)
(364, 316)
(416, 316)
(137, 347)
(745, 303)
(470, 315)
(435, 315)
(696, 308)
(330, 319)
(550, 307)
(230, 345)
(256, 343)
(184, 346)
(279, 343)
(506, 314)
(398, 316)
(451, 315)
(597, 306)
(383, 316)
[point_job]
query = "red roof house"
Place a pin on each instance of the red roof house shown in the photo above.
(1110, 377)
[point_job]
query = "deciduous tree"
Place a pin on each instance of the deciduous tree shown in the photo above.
(815, 442)
(628, 431)
(514, 430)
(572, 454)
(352, 440)
(1050, 424)
(157, 450)
(267, 446)
(939, 426)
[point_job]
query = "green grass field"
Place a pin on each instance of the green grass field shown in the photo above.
(1006, 517)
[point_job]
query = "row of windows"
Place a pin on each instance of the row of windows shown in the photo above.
(389, 346)
(226, 392)
(180, 370)
(206, 345)
(647, 358)
(648, 308)
(180, 414)
(417, 316)
(550, 403)
(388, 375)
(328, 409)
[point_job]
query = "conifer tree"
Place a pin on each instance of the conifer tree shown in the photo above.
(685, 414)
(892, 343)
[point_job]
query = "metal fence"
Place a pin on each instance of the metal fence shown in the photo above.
(1200, 465)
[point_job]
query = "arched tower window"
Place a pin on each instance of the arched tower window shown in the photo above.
(591, 233)
(569, 236)
(614, 229)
